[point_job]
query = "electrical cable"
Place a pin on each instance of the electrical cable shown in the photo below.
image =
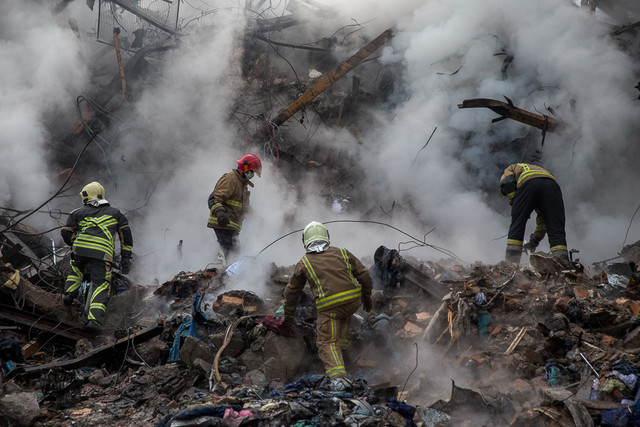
(629, 227)
(419, 242)
(57, 192)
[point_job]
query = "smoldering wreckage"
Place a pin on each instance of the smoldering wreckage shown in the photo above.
(538, 344)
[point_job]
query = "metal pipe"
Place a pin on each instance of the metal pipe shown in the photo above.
(592, 368)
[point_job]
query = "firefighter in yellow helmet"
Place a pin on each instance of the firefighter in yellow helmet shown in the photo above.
(91, 232)
(229, 201)
(340, 283)
(531, 188)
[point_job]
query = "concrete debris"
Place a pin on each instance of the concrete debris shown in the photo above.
(539, 345)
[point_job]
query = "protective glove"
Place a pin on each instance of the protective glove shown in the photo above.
(125, 264)
(531, 246)
(367, 303)
(289, 319)
(223, 218)
(67, 299)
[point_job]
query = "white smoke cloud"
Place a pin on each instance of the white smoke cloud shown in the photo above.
(42, 71)
(179, 136)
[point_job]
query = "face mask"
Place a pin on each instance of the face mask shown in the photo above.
(248, 174)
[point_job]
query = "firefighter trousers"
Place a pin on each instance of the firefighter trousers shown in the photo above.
(333, 336)
(100, 271)
(545, 195)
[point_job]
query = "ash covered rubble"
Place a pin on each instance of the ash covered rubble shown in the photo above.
(521, 346)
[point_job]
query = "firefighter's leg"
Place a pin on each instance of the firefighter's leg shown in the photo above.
(327, 342)
(75, 277)
(226, 240)
(552, 209)
(344, 313)
(101, 280)
(523, 205)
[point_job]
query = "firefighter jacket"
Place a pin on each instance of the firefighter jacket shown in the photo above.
(523, 172)
(232, 196)
(91, 231)
(335, 277)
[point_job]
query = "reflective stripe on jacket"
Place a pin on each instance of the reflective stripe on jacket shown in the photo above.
(231, 195)
(91, 231)
(523, 172)
(335, 277)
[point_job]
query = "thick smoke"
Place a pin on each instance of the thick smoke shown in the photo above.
(42, 71)
(178, 138)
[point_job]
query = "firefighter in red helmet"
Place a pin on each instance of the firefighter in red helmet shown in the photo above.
(229, 201)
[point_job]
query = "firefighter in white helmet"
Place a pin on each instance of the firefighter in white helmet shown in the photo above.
(91, 232)
(229, 201)
(340, 283)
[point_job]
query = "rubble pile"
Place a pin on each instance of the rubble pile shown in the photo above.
(520, 346)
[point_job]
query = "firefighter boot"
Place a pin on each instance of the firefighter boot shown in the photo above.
(513, 256)
(563, 259)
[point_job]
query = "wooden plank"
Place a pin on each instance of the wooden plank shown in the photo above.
(509, 111)
(516, 340)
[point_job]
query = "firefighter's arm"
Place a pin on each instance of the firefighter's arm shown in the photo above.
(69, 231)
(293, 290)
(362, 274)
(221, 192)
(541, 228)
(126, 237)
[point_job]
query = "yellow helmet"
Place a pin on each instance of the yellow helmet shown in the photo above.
(92, 191)
(314, 231)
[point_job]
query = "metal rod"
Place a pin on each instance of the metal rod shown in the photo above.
(592, 368)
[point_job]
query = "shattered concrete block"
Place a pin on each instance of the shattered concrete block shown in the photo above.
(150, 351)
(233, 348)
(256, 377)
(278, 357)
(193, 349)
(20, 408)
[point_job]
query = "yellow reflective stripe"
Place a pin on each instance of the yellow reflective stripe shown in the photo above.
(345, 256)
(338, 370)
(95, 239)
(313, 275)
(215, 205)
(235, 203)
(541, 228)
(126, 248)
(514, 242)
(334, 336)
(214, 221)
(530, 172)
(338, 298)
(558, 248)
(89, 245)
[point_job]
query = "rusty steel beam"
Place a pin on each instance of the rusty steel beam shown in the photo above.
(44, 325)
(416, 277)
(327, 81)
(509, 111)
(93, 358)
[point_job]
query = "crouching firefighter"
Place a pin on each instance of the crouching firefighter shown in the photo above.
(528, 188)
(91, 231)
(340, 283)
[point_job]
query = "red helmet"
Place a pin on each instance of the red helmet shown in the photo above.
(250, 162)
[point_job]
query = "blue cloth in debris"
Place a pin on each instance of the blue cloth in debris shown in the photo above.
(197, 411)
(174, 354)
(621, 417)
(305, 381)
(407, 411)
